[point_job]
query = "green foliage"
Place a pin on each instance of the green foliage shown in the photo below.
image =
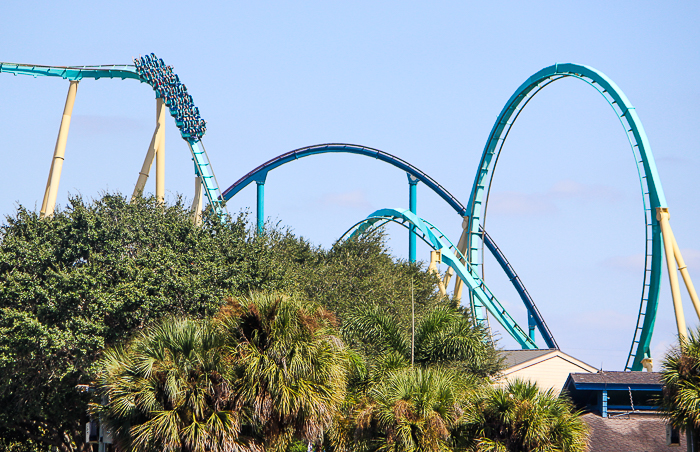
(98, 272)
(681, 379)
(287, 365)
(444, 336)
(166, 390)
(91, 276)
(521, 417)
(357, 274)
(413, 409)
(268, 370)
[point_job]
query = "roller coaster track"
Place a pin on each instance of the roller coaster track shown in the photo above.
(450, 255)
(202, 165)
(652, 192)
(464, 261)
(259, 175)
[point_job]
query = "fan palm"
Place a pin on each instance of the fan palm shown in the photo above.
(414, 409)
(521, 417)
(165, 390)
(443, 336)
(288, 366)
(681, 379)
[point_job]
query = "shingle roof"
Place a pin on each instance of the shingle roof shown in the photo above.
(629, 433)
(615, 377)
(514, 357)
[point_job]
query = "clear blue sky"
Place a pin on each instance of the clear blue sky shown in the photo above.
(421, 80)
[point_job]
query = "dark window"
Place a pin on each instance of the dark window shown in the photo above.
(673, 436)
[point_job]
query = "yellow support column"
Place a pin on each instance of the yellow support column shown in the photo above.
(160, 157)
(684, 273)
(663, 216)
(436, 258)
(157, 141)
(462, 246)
(197, 202)
(49, 203)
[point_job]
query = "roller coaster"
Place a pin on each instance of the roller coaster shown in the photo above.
(462, 259)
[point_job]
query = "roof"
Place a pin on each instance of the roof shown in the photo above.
(514, 357)
(616, 379)
(629, 433)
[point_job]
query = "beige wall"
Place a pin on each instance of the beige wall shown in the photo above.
(549, 371)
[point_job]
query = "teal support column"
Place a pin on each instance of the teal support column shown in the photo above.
(603, 403)
(531, 324)
(412, 190)
(260, 213)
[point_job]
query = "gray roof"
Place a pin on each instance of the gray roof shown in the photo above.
(624, 378)
(629, 433)
(514, 357)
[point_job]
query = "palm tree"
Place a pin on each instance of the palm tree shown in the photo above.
(287, 365)
(165, 390)
(414, 409)
(521, 417)
(681, 378)
(444, 336)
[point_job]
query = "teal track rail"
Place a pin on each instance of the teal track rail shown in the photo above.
(205, 172)
(120, 71)
(652, 192)
(437, 241)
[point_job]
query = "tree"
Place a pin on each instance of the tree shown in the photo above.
(520, 417)
(166, 390)
(99, 271)
(414, 409)
(444, 336)
(92, 275)
(288, 366)
(357, 274)
(681, 379)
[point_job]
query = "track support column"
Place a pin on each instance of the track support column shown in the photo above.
(197, 201)
(462, 246)
(157, 143)
(436, 258)
(160, 153)
(663, 216)
(412, 201)
(49, 203)
(260, 211)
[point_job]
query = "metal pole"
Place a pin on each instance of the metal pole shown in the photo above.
(412, 190)
(155, 144)
(197, 202)
(49, 202)
(663, 216)
(261, 206)
(160, 154)
(531, 324)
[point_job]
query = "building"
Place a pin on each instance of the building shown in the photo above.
(549, 368)
(622, 411)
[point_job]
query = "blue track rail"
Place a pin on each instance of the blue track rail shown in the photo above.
(259, 175)
(522, 291)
